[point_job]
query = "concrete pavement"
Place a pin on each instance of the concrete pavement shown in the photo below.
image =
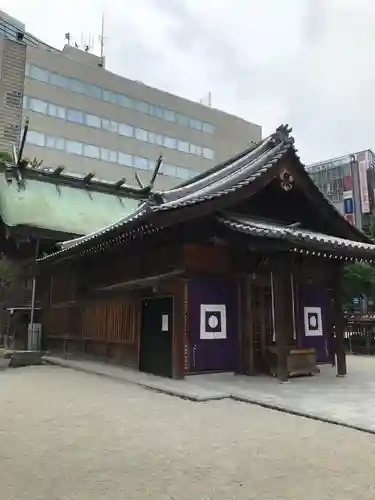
(348, 401)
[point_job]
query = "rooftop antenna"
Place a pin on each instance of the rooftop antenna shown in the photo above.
(87, 43)
(102, 38)
(207, 100)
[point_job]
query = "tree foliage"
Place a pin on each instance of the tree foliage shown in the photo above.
(6, 157)
(359, 279)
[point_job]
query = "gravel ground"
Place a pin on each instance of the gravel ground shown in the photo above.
(71, 435)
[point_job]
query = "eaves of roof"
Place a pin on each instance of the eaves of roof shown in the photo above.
(298, 237)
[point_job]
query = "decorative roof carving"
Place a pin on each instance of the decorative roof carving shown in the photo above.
(282, 134)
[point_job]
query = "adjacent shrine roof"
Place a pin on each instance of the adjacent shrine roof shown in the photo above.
(217, 189)
(58, 202)
(301, 238)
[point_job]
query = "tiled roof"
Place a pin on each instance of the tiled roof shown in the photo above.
(227, 177)
(60, 208)
(295, 235)
(223, 179)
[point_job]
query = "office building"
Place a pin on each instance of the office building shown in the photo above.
(88, 119)
(349, 183)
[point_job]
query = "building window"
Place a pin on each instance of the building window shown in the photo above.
(36, 138)
(169, 170)
(155, 111)
(77, 86)
(124, 129)
(56, 111)
(39, 74)
(109, 125)
(155, 138)
(195, 150)
(124, 101)
(93, 121)
(109, 96)
(73, 147)
(141, 106)
(108, 155)
(97, 92)
(182, 173)
(170, 142)
(182, 120)
(141, 134)
(170, 116)
(195, 124)
(125, 159)
(183, 146)
(94, 91)
(208, 153)
(208, 128)
(141, 163)
(55, 142)
(75, 116)
(38, 106)
(59, 80)
(91, 151)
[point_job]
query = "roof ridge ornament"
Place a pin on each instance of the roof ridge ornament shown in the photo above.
(286, 180)
(282, 134)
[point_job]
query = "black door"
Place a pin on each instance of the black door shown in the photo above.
(156, 336)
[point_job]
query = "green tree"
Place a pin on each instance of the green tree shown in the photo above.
(359, 279)
(6, 157)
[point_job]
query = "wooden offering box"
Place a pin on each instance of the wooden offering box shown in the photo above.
(299, 361)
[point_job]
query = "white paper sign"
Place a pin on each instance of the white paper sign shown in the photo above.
(313, 321)
(164, 322)
(213, 321)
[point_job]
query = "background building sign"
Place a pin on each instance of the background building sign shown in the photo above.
(348, 206)
(363, 162)
(348, 202)
(348, 183)
(350, 218)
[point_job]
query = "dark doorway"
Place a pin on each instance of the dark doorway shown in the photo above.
(260, 321)
(155, 354)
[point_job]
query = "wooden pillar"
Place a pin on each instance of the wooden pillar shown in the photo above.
(283, 328)
(179, 326)
(241, 322)
(339, 323)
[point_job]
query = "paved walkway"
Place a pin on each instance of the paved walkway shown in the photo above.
(348, 401)
(69, 435)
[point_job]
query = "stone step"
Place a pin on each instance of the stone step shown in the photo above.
(24, 358)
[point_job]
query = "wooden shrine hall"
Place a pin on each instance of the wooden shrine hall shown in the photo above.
(235, 270)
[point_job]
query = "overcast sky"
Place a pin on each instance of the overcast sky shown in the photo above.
(309, 63)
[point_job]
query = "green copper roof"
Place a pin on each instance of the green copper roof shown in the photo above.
(62, 208)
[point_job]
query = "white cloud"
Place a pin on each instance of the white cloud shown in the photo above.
(303, 62)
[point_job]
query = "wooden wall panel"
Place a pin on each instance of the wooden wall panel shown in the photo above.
(110, 321)
(106, 329)
(200, 257)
